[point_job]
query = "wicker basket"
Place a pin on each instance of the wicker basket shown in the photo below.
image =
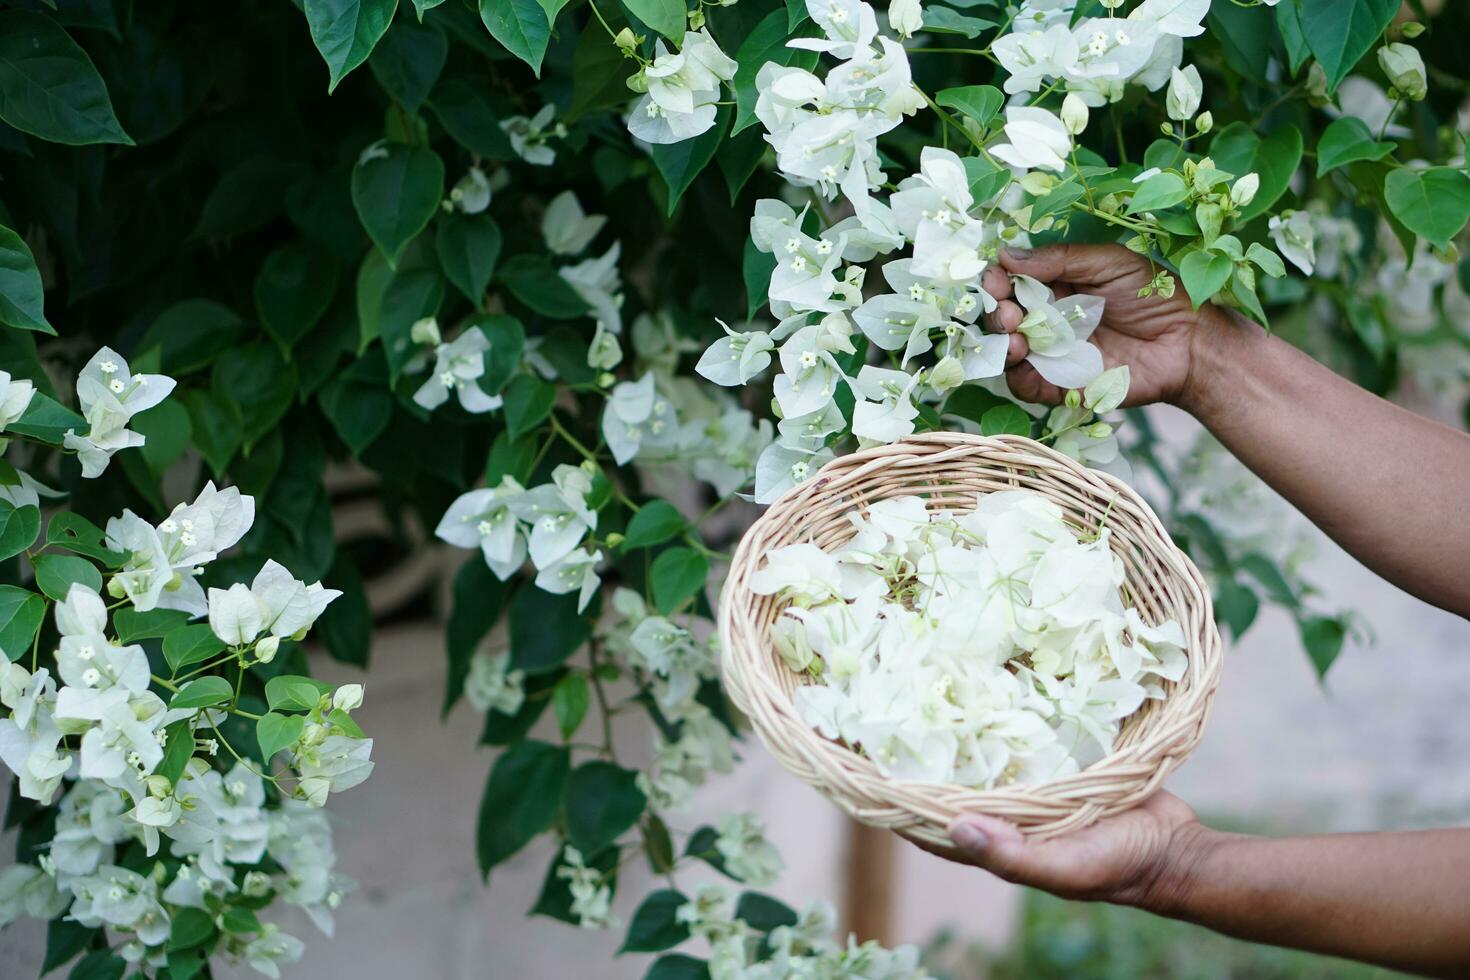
(949, 469)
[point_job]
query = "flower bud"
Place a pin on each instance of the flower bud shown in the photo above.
(1073, 398)
(1412, 29)
(614, 539)
(1074, 113)
(606, 379)
(1405, 70)
(256, 884)
(1098, 430)
(158, 786)
(696, 18)
(905, 17)
(1185, 91)
(1244, 190)
(265, 650)
(1166, 129)
(1038, 182)
(115, 588)
(425, 331)
(347, 697)
(948, 373)
(626, 41)
(1317, 84)
(1205, 122)
(638, 83)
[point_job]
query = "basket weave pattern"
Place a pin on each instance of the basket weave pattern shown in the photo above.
(948, 470)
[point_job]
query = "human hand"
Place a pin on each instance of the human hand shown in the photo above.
(1156, 337)
(1138, 857)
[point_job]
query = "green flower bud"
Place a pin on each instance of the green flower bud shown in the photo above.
(1074, 113)
(1205, 122)
(1405, 69)
(947, 374)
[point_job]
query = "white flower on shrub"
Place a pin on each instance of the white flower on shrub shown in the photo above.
(638, 418)
(591, 895)
(529, 138)
(683, 88)
(276, 602)
(109, 395)
(338, 763)
(491, 685)
(567, 229)
(118, 898)
(458, 366)
(1038, 140)
(597, 282)
(28, 890)
(30, 741)
(1057, 331)
(483, 519)
(576, 571)
(471, 193)
(1294, 234)
(15, 398)
(742, 843)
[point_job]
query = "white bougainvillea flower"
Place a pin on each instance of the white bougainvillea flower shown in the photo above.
(1057, 330)
(596, 280)
(683, 88)
(1294, 235)
(848, 28)
(638, 418)
(471, 194)
(809, 373)
(1179, 18)
(749, 856)
(1038, 140)
(276, 602)
(458, 366)
(26, 889)
(1185, 91)
(121, 899)
(483, 519)
(906, 17)
(273, 949)
(337, 764)
(1030, 58)
(557, 515)
(736, 357)
(491, 685)
(109, 395)
(15, 398)
(30, 739)
(529, 138)
(894, 322)
(885, 411)
(782, 467)
(1115, 50)
(147, 571)
(567, 229)
(575, 571)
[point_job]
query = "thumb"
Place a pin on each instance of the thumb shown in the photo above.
(1068, 263)
(999, 847)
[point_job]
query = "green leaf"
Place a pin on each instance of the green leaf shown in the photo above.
(1289, 23)
(764, 913)
(599, 75)
(756, 269)
(132, 626)
(528, 401)
(501, 729)
(21, 612)
(189, 334)
(167, 430)
(293, 290)
(507, 343)
(467, 117)
(679, 163)
(655, 523)
(345, 32)
(1238, 150)
(478, 599)
(945, 20)
(603, 801)
(203, 693)
(979, 102)
(1339, 32)
(19, 528)
(765, 44)
(1203, 273)
(190, 645)
(49, 87)
(1005, 420)
(178, 749)
(21, 298)
(359, 411)
(408, 60)
(64, 940)
(545, 629)
(655, 926)
(665, 16)
(47, 419)
(522, 798)
(677, 574)
(1346, 140)
(396, 190)
(677, 966)
(294, 692)
(261, 382)
(468, 248)
(73, 532)
(1263, 570)
(986, 177)
(1434, 204)
(521, 26)
(1158, 192)
(56, 573)
(98, 964)
(217, 425)
(411, 295)
(241, 921)
(1237, 606)
(190, 927)
(1323, 637)
(533, 281)
(1266, 260)
(275, 732)
(569, 701)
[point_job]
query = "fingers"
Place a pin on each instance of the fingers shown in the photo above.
(1006, 317)
(991, 844)
(1064, 865)
(1029, 386)
(1017, 351)
(996, 282)
(1087, 264)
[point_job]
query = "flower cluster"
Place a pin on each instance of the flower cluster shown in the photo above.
(985, 649)
(159, 817)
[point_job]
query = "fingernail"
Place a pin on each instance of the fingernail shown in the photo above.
(1017, 253)
(969, 837)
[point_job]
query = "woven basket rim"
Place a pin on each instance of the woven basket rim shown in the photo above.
(1158, 572)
